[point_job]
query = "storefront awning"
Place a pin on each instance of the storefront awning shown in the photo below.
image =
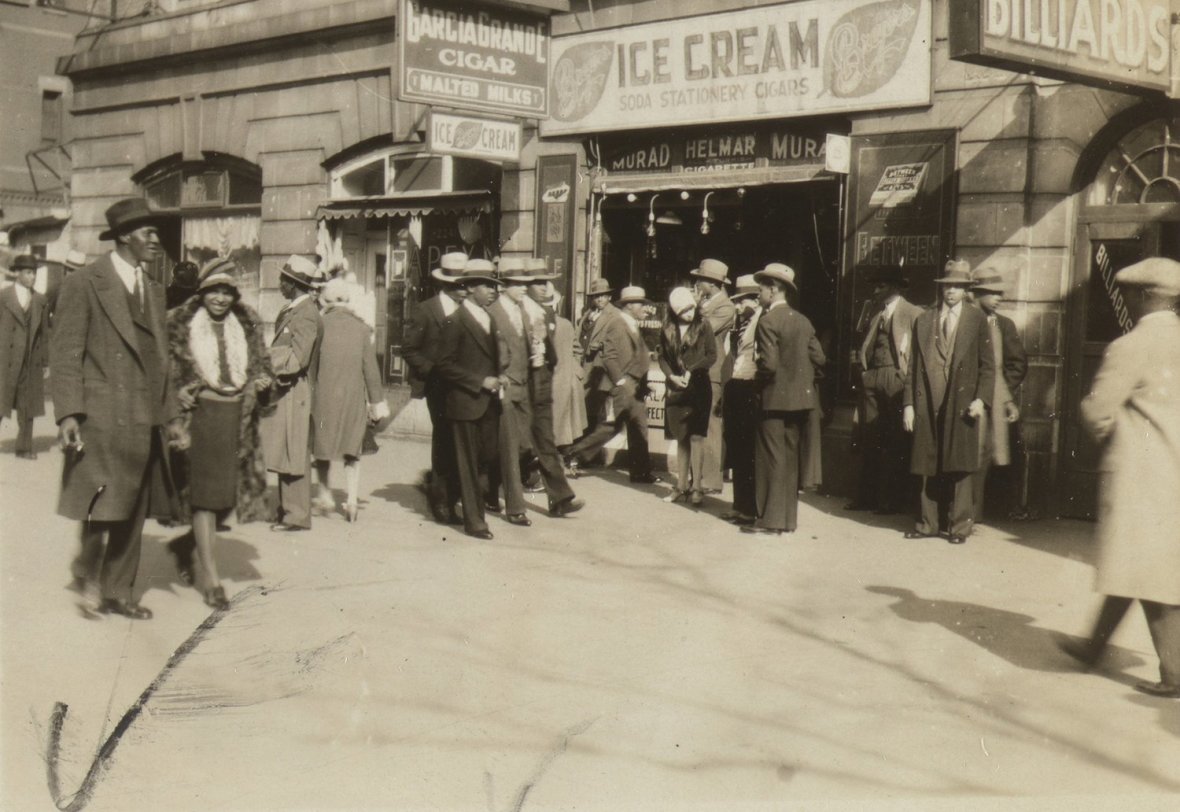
(376, 207)
(721, 179)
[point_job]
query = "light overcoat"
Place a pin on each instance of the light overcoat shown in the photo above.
(569, 406)
(286, 426)
(100, 378)
(967, 374)
(23, 339)
(347, 380)
(1134, 405)
(721, 314)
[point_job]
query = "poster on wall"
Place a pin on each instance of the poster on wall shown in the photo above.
(556, 209)
(804, 58)
(900, 211)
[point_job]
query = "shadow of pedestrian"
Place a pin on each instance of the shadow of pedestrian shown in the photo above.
(410, 497)
(41, 444)
(235, 560)
(1008, 635)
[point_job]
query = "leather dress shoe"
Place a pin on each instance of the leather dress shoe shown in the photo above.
(955, 538)
(762, 531)
(485, 535)
(492, 507)
(518, 519)
(215, 598)
(571, 504)
(1160, 689)
(738, 518)
(114, 606)
(918, 534)
(283, 527)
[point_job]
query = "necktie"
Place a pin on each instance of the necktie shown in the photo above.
(948, 325)
(139, 287)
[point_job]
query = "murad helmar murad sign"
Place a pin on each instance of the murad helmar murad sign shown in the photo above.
(804, 58)
(1119, 43)
(473, 56)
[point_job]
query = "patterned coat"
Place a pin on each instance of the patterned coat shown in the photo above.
(23, 340)
(251, 499)
(286, 426)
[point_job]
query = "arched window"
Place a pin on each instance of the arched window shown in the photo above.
(218, 207)
(1142, 167)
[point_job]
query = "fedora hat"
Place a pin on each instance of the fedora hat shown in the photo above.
(24, 262)
(300, 270)
(538, 270)
(598, 287)
(988, 281)
(1159, 274)
(744, 287)
(477, 272)
(511, 269)
(219, 271)
(74, 260)
(957, 272)
(129, 214)
(776, 272)
(450, 265)
(893, 275)
(714, 270)
(633, 293)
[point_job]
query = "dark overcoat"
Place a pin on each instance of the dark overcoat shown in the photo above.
(422, 344)
(951, 445)
(467, 356)
(100, 378)
(23, 339)
(787, 355)
(251, 503)
(286, 425)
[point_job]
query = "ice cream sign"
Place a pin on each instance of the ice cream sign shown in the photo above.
(794, 59)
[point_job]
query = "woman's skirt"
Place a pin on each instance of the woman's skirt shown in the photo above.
(213, 452)
(686, 412)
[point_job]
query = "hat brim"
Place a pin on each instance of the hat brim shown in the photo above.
(476, 279)
(631, 299)
(298, 278)
(709, 278)
(590, 294)
(438, 274)
(987, 289)
(953, 280)
(132, 223)
(766, 276)
(743, 294)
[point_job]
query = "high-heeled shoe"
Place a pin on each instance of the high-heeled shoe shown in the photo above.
(350, 512)
(676, 495)
(215, 598)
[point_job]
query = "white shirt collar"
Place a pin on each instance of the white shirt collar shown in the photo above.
(449, 305)
(23, 296)
(890, 306)
(773, 305)
(956, 309)
(630, 321)
(481, 315)
(126, 271)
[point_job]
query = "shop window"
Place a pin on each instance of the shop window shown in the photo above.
(395, 172)
(51, 116)
(418, 174)
(1143, 167)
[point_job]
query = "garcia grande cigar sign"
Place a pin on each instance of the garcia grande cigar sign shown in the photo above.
(794, 59)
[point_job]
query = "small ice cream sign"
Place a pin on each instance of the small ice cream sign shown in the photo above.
(490, 139)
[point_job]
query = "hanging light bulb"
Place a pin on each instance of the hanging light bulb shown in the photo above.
(651, 217)
(705, 216)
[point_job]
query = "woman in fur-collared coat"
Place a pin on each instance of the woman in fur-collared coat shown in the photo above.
(220, 368)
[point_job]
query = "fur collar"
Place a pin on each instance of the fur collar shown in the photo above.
(202, 343)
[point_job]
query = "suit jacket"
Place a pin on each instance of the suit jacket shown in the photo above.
(467, 355)
(513, 349)
(901, 327)
(101, 378)
(23, 339)
(965, 372)
(592, 356)
(787, 354)
(294, 353)
(721, 314)
(623, 353)
(1015, 360)
(421, 345)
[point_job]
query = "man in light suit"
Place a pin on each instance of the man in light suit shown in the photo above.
(787, 355)
(709, 281)
(625, 362)
(286, 428)
(24, 328)
(947, 392)
(112, 400)
(420, 349)
(469, 365)
(883, 361)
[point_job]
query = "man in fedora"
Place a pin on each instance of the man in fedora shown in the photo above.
(591, 329)
(709, 281)
(112, 400)
(787, 355)
(24, 328)
(883, 359)
(741, 400)
(625, 363)
(1000, 428)
(286, 427)
(469, 366)
(420, 349)
(948, 389)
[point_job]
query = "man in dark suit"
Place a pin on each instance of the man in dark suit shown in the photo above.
(708, 282)
(1000, 428)
(947, 392)
(883, 360)
(112, 398)
(469, 365)
(420, 349)
(24, 328)
(625, 362)
(286, 429)
(787, 355)
(591, 329)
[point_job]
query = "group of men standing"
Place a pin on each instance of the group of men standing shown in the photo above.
(481, 352)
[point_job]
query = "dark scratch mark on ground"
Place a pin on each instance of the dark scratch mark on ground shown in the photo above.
(79, 799)
(559, 748)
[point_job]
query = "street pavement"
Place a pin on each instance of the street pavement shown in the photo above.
(636, 656)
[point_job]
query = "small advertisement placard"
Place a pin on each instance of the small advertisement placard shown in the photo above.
(474, 137)
(474, 56)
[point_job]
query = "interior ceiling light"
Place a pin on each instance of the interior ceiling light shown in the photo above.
(705, 216)
(651, 216)
(669, 218)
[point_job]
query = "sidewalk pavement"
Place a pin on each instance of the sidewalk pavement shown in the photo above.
(638, 655)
